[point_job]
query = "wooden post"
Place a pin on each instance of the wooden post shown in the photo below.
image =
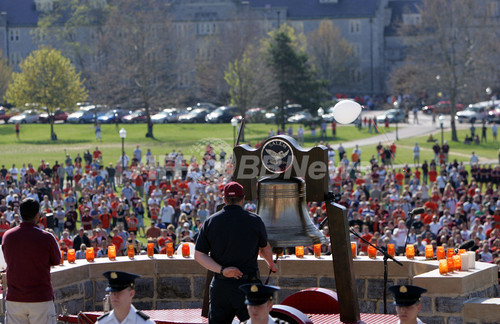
(345, 280)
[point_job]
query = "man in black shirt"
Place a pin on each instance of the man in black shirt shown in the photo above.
(228, 244)
(111, 175)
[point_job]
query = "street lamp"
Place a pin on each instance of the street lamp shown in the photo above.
(234, 123)
(489, 92)
(441, 123)
(123, 134)
(396, 106)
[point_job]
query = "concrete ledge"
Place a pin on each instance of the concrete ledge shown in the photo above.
(482, 310)
(458, 282)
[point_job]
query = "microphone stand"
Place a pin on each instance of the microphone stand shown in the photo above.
(386, 271)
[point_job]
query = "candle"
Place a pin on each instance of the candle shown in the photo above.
(170, 250)
(89, 254)
(410, 251)
(130, 251)
(354, 250)
(299, 251)
(472, 259)
(457, 263)
(317, 250)
(372, 252)
(464, 258)
(450, 253)
(443, 267)
(62, 258)
(462, 251)
(185, 250)
(429, 252)
(151, 249)
(112, 252)
(391, 249)
(451, 264)
(71, 256)
(440, 252)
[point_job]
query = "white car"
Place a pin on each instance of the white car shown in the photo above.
(477, 112)
(26, 117)
(167, 115)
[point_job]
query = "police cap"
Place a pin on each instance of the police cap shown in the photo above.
(406, 295)
(119, 280)
(258, 294)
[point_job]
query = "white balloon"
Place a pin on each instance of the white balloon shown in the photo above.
(346, 111)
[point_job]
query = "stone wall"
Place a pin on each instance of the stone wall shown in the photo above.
(179, 283)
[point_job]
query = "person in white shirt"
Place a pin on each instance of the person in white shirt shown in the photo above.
(13, 172)
(167, 214)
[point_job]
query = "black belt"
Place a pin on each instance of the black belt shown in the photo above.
(251, 276)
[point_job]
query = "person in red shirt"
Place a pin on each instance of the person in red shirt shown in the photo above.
(29, 295)
(432, 176)
(97, 155)
(399, 177)
(117, 241)
(66, 238)
(4, 226)
(367, 236)
(132, 222)
(86, 220)
(105, 219)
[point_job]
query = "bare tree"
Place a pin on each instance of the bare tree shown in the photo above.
(139, 56)
(453, 49)
(332, 55)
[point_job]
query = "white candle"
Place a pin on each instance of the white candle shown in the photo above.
(472, 259)
(464, 258)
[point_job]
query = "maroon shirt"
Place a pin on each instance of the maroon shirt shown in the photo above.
(29, 252)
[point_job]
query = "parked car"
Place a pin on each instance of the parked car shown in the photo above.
(302, 117)
(207, 105)
(58, 115)
(477, 112)
(167, 115)
(289, 110)
(394, 116)
(442, 107)
(82, 117)
(494, 115)
(26, 117)
(110, 116)
(4, 114)
(223, 114)
(194, 116)
(138, 116)
(255, 115)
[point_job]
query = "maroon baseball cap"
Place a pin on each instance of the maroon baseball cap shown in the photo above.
(233, 189)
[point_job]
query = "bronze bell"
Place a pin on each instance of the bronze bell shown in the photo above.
(282, 206)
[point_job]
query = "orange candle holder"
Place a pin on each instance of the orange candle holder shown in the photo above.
(89, 254)
(462, 251)
(299, 251)
(130, 251)
(440, 253)
(451, 264)
(185, 250)
(450, 253)
(317, 250)
(443, 266)
(354, 250)
(170, 250)
(372, 252)
(429, 252)
(71, 256)
(151, 249)
(391, 250)
(410, 252)
(112, 252)
(457, 262)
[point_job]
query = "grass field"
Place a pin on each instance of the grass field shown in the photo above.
(34, 143)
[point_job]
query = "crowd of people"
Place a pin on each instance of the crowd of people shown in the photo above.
(178, 194)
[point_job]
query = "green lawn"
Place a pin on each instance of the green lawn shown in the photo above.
(34, 143)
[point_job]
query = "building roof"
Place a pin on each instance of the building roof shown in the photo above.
(20, 12)
(398, 7)
(307, 9)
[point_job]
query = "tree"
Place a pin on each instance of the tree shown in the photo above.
(139, 58)
(5, 74)
(332, 55)
(296, 79)
(453, 50)
(47, 79)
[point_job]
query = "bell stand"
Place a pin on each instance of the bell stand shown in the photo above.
(386, 271)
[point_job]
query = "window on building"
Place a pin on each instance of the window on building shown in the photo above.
(354, 26)
(183, 80)
(492, 9)
(15, 58)
(356, 48)
(413, 19)
(14, 35)
(355, 76)
(206, 28)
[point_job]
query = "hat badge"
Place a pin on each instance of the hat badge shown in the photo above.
(254, 288)
(113, 275)
(403, 289)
